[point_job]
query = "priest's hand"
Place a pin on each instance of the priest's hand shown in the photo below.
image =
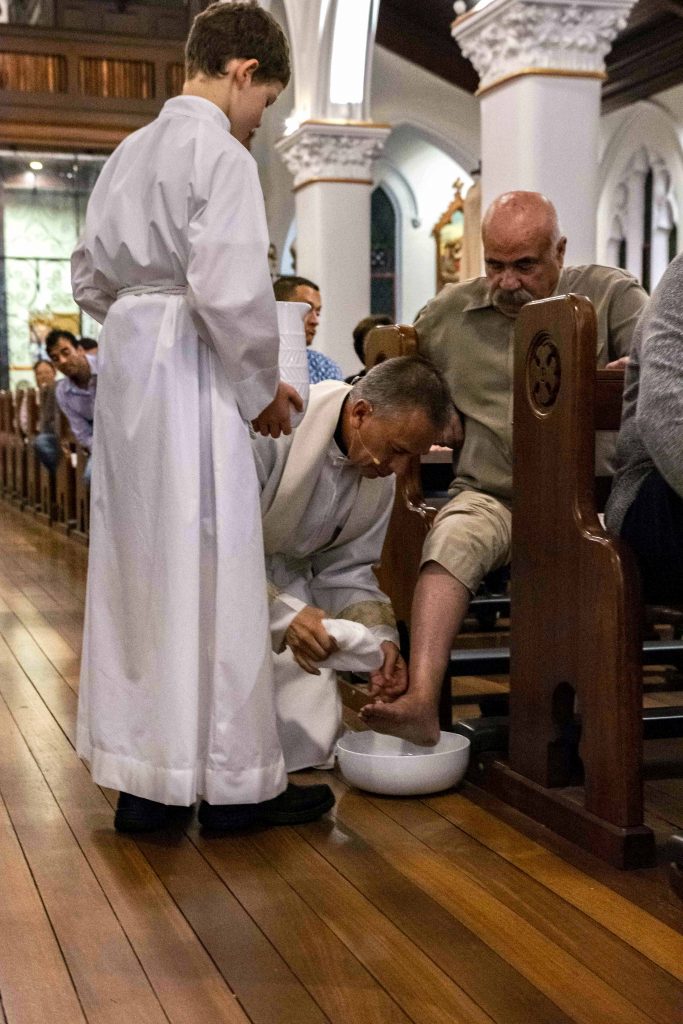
(391, 680)
(308, 639)
(275, 418)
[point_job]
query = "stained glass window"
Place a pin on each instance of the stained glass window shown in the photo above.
(382, 255)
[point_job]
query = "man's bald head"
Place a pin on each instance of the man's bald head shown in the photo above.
(523, 249)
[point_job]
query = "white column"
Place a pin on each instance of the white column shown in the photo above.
(635, 217)
(332, 169)
(662, 223)
(541, 65)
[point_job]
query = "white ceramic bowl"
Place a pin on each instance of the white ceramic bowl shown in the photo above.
(394, 767)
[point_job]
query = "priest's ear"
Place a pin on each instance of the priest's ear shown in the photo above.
(360, 411)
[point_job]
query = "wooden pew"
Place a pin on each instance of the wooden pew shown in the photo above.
(5, 431)
(81, 527)
(32, 461)
(410, 520)
(575, 632)
(10, 488)
(46, 507)
(65, 482)
(21, 453)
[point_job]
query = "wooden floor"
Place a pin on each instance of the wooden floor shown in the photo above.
(450, 909)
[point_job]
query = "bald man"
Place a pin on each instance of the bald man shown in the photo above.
(467, 331)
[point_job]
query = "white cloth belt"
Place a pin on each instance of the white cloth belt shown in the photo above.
(152, 289)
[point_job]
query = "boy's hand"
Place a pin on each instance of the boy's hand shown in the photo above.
(275, 418)
(308, 639)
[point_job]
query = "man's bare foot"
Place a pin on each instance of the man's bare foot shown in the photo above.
(404, 717)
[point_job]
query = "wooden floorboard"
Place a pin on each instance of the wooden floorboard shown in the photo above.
(545, 964)
(449, 909)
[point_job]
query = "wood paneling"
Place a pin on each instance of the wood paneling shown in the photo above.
(116, 79)
(33, 72)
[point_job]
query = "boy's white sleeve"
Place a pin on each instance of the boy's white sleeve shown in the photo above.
(95, 301)
(230, 292)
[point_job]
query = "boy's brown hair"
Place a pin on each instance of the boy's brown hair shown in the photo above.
(237, 30)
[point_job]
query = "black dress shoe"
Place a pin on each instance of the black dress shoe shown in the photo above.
(136, 814)
(295, 806)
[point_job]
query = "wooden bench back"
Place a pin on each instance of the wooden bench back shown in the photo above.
(400, 562)
(576, 605)
(387, 342)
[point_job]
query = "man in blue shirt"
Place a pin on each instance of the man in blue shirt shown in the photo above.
(299, 289)
(76, 391)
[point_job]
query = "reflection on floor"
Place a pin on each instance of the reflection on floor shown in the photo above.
(446, 909)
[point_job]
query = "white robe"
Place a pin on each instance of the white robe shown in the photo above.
(324, 528)
(176, 695)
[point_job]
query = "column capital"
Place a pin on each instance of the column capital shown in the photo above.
(510, 38)
(332, 151)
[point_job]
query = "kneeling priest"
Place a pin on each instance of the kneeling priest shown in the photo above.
(327, 492)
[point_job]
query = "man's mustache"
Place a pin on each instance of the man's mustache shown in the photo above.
(511, 300)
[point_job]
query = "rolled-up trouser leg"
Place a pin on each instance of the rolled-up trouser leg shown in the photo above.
(470, 537)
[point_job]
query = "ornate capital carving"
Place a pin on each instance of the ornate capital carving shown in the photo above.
(509, 37)
(328, 150)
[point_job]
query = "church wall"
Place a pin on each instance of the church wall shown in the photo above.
(434, 140)
(414, 168)
(641, 142)
(276, 180)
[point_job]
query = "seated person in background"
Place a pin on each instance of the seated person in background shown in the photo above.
(46, 441)
(467, 331)
(20, 408)
(75, 394)
(299, 289)
(327, 492)
(360, 331)
(646, 503)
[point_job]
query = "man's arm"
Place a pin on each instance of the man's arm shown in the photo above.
(625, 308)
(344, 581)
(659, 411)
(81, 427)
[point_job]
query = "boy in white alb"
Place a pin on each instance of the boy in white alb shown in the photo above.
(176, 688)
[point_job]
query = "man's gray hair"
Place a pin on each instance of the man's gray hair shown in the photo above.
(403, 384)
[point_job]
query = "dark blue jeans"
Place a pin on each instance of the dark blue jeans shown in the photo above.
(49, 451)
(653, 528)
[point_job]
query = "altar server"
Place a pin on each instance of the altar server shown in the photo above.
(176, 694)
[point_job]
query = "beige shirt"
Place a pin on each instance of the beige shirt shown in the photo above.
(471, 342)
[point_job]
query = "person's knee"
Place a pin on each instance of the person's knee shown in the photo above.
(467, 546)
(47, 449)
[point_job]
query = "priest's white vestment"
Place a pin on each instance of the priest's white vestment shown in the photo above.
(324, 527)
(176, 693)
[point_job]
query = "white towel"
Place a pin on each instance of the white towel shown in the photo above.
(359, 650)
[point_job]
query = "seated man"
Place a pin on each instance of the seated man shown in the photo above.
(359, 334)
(299, 289)
(46, 441)
(327, 494)
(468, 332)
(75, 394)
(646, 503)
